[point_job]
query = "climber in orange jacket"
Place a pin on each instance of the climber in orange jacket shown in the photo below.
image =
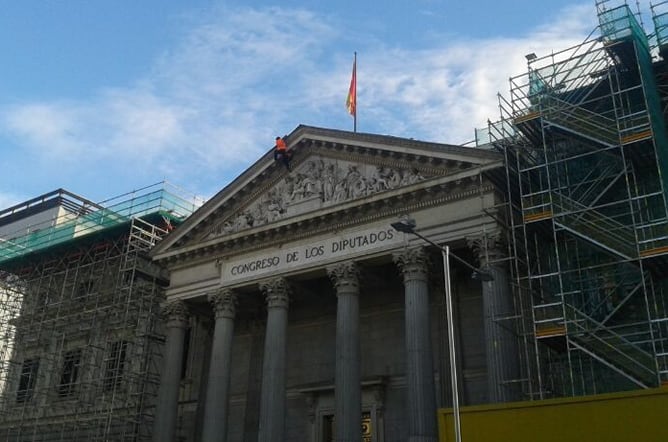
(281, 152)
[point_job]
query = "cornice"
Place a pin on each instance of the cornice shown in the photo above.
(374, 156)
(387, 142)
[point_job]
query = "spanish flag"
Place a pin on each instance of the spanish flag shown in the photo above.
(351, 101)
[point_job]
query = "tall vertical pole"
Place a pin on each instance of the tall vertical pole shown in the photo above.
(351, 100)
(451, 342)
(355, 91)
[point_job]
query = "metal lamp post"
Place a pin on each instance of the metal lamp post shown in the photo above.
(408, 226)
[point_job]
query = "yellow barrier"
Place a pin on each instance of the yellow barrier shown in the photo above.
(618, 417)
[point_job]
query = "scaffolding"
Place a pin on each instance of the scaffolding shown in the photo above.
(80, 337)
(584, 136)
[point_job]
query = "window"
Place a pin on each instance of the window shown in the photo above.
(27, 380)
(70, 374)
(114, 363)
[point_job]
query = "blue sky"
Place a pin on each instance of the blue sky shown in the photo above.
(103, 97)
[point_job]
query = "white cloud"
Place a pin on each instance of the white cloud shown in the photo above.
(51, 127)
(211, 105)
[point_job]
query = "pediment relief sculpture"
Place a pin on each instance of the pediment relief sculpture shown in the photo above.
(317, 183)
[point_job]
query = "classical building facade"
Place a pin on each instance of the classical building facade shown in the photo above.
(296, 312)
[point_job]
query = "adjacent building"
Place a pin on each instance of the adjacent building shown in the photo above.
(80, 331)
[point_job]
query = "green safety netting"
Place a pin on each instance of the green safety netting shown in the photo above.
(115, 212)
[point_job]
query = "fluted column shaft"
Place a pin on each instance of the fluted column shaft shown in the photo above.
(502, 349)
(164, 425)
(220, 367)
(272, 405)
(501, 346)
(421, 395)
(348, 386)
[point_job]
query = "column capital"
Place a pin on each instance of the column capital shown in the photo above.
(344, 276)
(175, 313)
(413, 263)
(488, 247)
(276, 292)
(224, 303)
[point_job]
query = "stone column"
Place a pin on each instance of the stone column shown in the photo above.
(272, 404)
(348, 386)
(501, 348)
(164, 425)
(217, 396)
(421, 394)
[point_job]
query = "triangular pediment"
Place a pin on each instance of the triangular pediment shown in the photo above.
(331, 170)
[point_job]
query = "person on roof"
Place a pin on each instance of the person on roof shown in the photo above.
(281, 152)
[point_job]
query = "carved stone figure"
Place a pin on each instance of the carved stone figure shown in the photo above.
(380, 180)
(352, 181)
(329, 182)
(393, 178)
(273, 211)
(243, 221)
(340, 192)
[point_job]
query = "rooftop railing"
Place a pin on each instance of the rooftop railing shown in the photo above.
(78, 217)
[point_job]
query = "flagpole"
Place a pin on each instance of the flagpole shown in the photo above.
(355, 74)
(351, 100)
